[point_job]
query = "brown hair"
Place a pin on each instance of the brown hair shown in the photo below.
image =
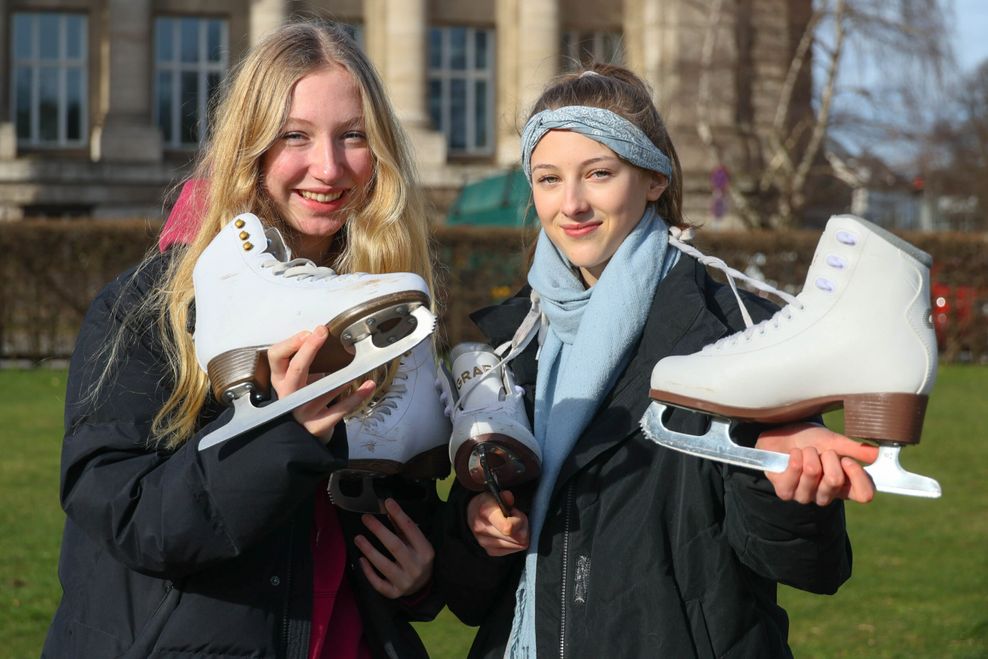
(615, 88)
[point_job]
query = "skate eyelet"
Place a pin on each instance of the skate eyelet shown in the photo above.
(248, 246)
(240, 224)
(825, 285)
(847, 238)
(837, 262)
(244, 235)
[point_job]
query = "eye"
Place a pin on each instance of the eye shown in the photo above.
(599, 174)
(355, 136)
(293, 136)
(547, 179)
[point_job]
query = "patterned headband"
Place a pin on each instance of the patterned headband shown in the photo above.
(612, 130)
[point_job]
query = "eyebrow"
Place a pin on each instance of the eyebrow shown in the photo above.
(349, 124)
(585, 163)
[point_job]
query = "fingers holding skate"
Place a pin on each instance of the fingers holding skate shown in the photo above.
(496, 534)
(290, 361)
(823, 465)
(410, 569)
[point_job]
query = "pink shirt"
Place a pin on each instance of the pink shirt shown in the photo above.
(337, 632)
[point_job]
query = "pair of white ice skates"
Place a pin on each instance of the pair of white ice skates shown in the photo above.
(859, 336)
(250, 293)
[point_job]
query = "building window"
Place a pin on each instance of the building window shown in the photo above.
(190, 60)
(49, 82)
(583, 48)
(461, 88)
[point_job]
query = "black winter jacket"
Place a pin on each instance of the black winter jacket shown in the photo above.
(186, 553)
(648, 552)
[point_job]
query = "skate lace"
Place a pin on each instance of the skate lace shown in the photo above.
(299, 268)
(678, 238)
(533, 325)
(788, 312)
(378, 410)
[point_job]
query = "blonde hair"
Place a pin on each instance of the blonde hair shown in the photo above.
(386, 229)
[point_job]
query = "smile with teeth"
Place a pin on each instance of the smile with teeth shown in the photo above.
(322, 198)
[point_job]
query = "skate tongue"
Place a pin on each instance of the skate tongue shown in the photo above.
(276, 244)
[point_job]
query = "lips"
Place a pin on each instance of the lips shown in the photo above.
(580, 230)
(321, 197)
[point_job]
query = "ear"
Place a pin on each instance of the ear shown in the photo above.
(657, 184)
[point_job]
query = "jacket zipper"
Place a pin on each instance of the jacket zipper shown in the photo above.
(565, 573)
(287, 599)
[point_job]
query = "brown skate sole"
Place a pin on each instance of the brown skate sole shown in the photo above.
(882, 417)
(249, 365)
(427, 465)
(511, 461)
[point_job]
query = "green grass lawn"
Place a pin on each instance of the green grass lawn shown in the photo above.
(920, 585)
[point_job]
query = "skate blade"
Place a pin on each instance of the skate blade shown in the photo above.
(368, 357)
(889, 476)
(886, 472)
(717, 444)
(365, 500)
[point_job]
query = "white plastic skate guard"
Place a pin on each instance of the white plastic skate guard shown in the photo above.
(886, 472)
(367, 356)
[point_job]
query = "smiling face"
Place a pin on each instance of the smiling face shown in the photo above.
(588, 199)
(321, 161)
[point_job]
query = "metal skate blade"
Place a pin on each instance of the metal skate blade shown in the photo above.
(889, 476)
(886, 472)
(364, 500)
(367, 357)
(716, 444)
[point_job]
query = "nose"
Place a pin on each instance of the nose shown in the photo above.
(574, 200)
(328, 162)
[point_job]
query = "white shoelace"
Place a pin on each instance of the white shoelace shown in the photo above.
(301, 268)
(785, 314)
(374, 414)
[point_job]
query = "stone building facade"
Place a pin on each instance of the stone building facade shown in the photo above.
(103, 102)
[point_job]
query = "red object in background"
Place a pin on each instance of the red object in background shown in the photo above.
(182, 222)
(953, 309)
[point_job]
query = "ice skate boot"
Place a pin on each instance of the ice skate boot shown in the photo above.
(250, 293)
(857, 336)
(404, 432)
(492, 446)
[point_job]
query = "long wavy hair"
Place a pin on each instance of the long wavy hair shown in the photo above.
(387, 229)
(619, 90)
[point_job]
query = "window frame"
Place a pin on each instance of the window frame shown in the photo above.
(444, 74)
(63, 64)
(202, 67)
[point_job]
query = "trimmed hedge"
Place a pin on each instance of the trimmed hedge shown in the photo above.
(52, 269)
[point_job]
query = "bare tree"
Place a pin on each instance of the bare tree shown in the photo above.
(773, 160)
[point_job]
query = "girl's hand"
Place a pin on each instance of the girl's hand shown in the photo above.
(290, 361)
(411, 568)
(497, 534)
(823, 465)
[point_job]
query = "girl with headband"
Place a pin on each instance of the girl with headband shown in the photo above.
(623, 548)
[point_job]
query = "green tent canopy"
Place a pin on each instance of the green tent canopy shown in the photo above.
(502, 200)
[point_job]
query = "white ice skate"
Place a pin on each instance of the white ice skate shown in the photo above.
(404, 432)
(857, 336)
(250, 293)
(492, 445)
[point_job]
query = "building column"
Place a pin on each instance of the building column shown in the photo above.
(397, 41)
(8, 135)
(265, 17)
(528, 41)
(124, 129)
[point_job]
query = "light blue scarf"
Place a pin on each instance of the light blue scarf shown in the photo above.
(589, 341)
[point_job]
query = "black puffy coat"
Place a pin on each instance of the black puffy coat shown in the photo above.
(186, 553)
(645, 551)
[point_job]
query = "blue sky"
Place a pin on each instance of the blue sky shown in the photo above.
(970, 33)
